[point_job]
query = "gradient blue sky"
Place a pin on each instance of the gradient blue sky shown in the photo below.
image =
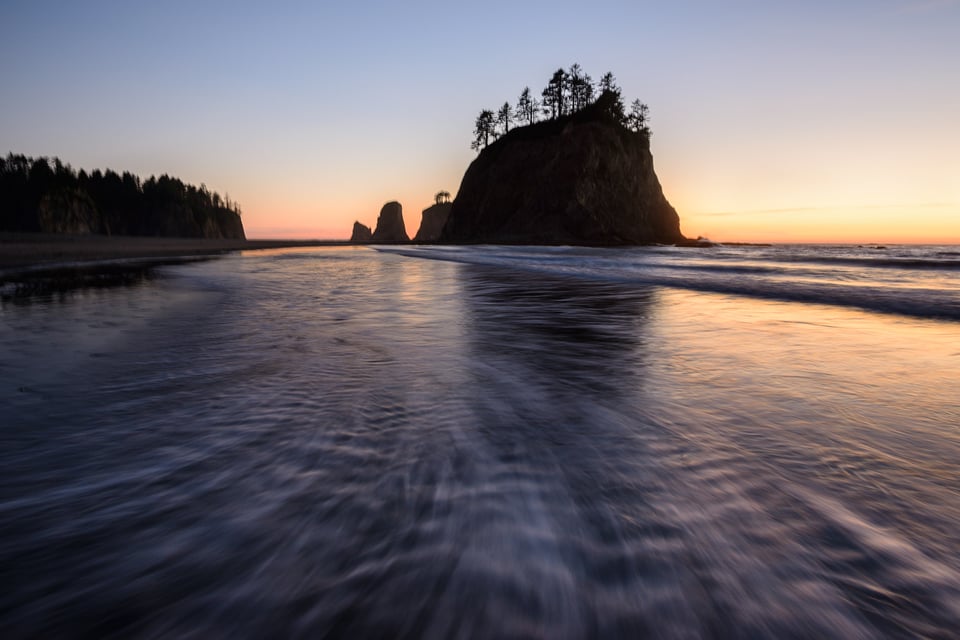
(813, 121)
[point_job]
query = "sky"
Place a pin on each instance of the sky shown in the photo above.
(772, 121)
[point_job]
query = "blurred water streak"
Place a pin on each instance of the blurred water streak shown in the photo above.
(341, 442)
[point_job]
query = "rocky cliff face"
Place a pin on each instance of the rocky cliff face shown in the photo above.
(68, 211)
(361, 233)
(390, 227)
(582, 180)
(227, 226)
(183, 221)
(74, 212)
(432, 222)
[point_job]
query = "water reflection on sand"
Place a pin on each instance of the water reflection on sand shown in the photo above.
(346, 443)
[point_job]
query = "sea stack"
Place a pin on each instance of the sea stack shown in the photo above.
(432, 222)
(361, 234)
(581, 179)
(390, 227)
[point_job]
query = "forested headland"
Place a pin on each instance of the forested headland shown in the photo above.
(45, 195)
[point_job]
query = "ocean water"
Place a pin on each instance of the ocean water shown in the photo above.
(490, 442)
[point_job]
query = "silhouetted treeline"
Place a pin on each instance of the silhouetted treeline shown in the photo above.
(45, 195)
(566, 94)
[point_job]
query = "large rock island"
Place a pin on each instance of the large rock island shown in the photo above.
(580, 179)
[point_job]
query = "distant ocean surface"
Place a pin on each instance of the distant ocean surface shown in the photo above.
(491, 442)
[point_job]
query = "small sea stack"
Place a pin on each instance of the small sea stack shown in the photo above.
(431, 225)
(361, 234)
(390, 227)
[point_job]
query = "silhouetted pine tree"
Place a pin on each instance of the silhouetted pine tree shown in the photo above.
(484, 130)
(579, 88)
(554, 95)
(639, 117)
(505, 117)
(527, 107)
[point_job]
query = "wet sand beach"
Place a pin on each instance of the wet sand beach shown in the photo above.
(522, 442)
(29, 250)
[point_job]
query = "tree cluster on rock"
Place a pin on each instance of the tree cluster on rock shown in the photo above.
(46, 195)
(567, 92)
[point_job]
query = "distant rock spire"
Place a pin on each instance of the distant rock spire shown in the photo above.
(390, 226)
(361, 234)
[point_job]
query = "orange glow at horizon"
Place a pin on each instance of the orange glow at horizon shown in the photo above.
(330, 218)
(904, 224)
(920, 224)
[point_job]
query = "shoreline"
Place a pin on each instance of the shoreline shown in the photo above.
(21, 252)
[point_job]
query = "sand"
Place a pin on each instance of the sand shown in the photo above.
(29, 250)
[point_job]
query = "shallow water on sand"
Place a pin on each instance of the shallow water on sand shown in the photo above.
(347, 443)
